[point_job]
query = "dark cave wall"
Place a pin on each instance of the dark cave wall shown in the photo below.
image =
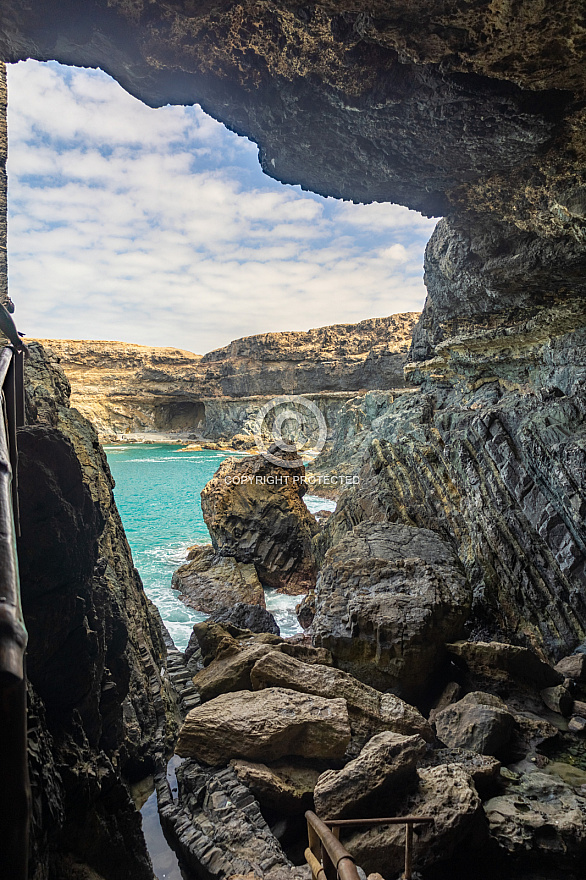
(97, 710)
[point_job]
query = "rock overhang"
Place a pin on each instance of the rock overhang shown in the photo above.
(438, 109)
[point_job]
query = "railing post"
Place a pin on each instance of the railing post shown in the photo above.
(330, 869)
(408, 851)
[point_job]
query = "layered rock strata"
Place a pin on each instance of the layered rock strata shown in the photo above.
(127, 389)
(100, 712)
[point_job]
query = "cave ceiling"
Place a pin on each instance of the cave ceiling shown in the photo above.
(461, 107)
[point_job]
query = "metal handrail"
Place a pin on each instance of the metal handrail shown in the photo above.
(335, 859)
(15, 799)
(325, 855)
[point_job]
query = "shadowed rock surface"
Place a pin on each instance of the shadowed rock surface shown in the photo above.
(251, 617)
(368, 785)
(212, 583)
(255, 513)
(97, 703)
(447, 794)
(387, 600)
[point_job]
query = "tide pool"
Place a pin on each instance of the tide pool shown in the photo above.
(157, 492)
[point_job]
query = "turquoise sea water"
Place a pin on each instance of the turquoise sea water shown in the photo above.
(157, 492)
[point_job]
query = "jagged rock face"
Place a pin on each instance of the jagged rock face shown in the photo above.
(404, 102)
(95, 648)
(487, 275)
(255, 513)
(126, 388)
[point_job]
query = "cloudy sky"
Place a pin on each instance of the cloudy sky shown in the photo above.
(158, 226)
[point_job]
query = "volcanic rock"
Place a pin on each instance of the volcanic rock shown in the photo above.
(376, 778)
(255, 514)
(250, 617)
(388, 598)
(540, 815)
(265, 727)
(479, 722)
(212, 583)
(445, 793)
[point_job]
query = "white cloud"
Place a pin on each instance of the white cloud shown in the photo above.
(155, 226)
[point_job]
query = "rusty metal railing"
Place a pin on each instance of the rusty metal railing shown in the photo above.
(328, 858)
(15, 787)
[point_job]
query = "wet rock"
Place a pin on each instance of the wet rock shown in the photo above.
(255, 513)
(388, 598)
(369, 711)
(305, 611)
(540, 816)
(479, 722)
(499, 661)
(265, 726)
(445, 793)
(252, 617)
(211, 583)
(283, 787)
(371, 782)
(558, 699)
(573, 667)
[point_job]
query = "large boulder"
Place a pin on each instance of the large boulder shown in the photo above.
(265, 727)
(540, 816)
(388, 599)
(369, 711)
(255, 514)
(210, 583)
(479, 722)
(282, 787)
(447, 794)
(371, 782)
(498, 661)
(230, 672)
(251, 617)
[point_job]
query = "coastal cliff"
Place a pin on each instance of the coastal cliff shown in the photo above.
(125, 389)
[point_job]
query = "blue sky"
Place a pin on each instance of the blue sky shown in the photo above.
(158, 226)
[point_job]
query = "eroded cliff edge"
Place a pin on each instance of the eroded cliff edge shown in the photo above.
(125, 388)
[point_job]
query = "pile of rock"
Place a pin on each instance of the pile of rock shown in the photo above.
(287, 731)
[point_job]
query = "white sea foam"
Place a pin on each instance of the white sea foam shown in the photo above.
(315, 503)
